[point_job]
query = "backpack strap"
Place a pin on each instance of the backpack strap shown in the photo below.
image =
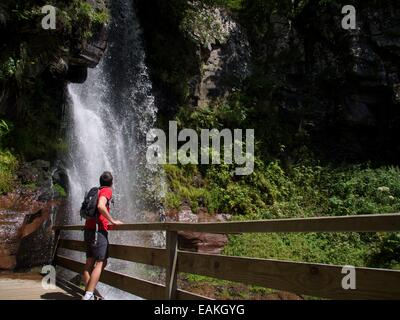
(97, 219)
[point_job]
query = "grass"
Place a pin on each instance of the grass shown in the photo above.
(60, 191)
(221, 289)
(229, 4)
(8, 165)
(302, 190)
(338, 249)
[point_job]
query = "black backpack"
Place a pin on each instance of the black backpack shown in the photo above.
(89, 204)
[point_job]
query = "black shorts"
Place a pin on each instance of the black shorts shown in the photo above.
(97, 250)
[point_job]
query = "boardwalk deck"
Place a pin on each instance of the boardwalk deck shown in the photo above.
(29, 287)
(312, 279)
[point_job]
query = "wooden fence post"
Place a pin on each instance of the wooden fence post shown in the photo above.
(55, 246)
(171, 271)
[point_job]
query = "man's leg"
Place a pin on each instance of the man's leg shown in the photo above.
(88, 270)
(95, 275)
(99, 251)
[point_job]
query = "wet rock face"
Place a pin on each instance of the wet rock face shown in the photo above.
(27, 215)
(198, 241)
(334, 90)
(341, 86)
(191, 62)
(26, 235)
(85, 54)
(89, 54)
(10, 233)
(35, 98)
(227, 64)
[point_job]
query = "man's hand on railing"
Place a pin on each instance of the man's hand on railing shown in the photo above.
(116, 222)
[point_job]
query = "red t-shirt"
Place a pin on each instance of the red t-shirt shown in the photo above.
(101, 220)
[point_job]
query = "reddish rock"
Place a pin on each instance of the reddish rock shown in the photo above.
(27, 214)
(202, 242)
(198, 241)
(172, 215)
(11, 224)
(25, 230)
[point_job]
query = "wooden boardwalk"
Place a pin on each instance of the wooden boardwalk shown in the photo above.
(302, 278)
(29, 287)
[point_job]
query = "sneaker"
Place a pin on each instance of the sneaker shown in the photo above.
(88, 296)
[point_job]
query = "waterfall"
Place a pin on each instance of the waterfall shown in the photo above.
(109, 117)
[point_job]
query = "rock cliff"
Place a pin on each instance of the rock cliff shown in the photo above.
(303, 80)
(36, 65)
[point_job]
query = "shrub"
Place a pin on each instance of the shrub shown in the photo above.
(60, 191)
(202, 25)
(8, 68)
(8, 165)
(301, 190)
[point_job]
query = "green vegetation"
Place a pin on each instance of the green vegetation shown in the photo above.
(201, 25)
(221, 289)
(88, 16)
(86, 10)
(280, 189)
(4, 128)
(8, 165)
(70, 14)
(8, 68)
(60, 191)
(302, 190)
(8, 162)
(31, 186)
(33, 99)
(229, 4)
(289, 180)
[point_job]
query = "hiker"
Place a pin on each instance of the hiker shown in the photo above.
(96, 210)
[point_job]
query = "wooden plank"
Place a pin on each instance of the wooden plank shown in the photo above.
(302, 278)
(69, 286)
(149, 256)
(132, 285)
(144, 255)
(28, 289)
(171, 272)
(138, 287)
(361, 223)
(74, 289)
(69, 228)
(20, 286)
(185, 295)
(55, 245)
(72, 245)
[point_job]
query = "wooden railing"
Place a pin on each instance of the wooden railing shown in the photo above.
(319, 280)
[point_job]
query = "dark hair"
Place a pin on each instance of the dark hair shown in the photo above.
(106, 179)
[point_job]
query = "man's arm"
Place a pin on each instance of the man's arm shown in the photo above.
(101, 206)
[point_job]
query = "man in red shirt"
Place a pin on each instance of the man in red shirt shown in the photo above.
(97, 251)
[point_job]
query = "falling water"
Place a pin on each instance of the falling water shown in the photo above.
(109, 118)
